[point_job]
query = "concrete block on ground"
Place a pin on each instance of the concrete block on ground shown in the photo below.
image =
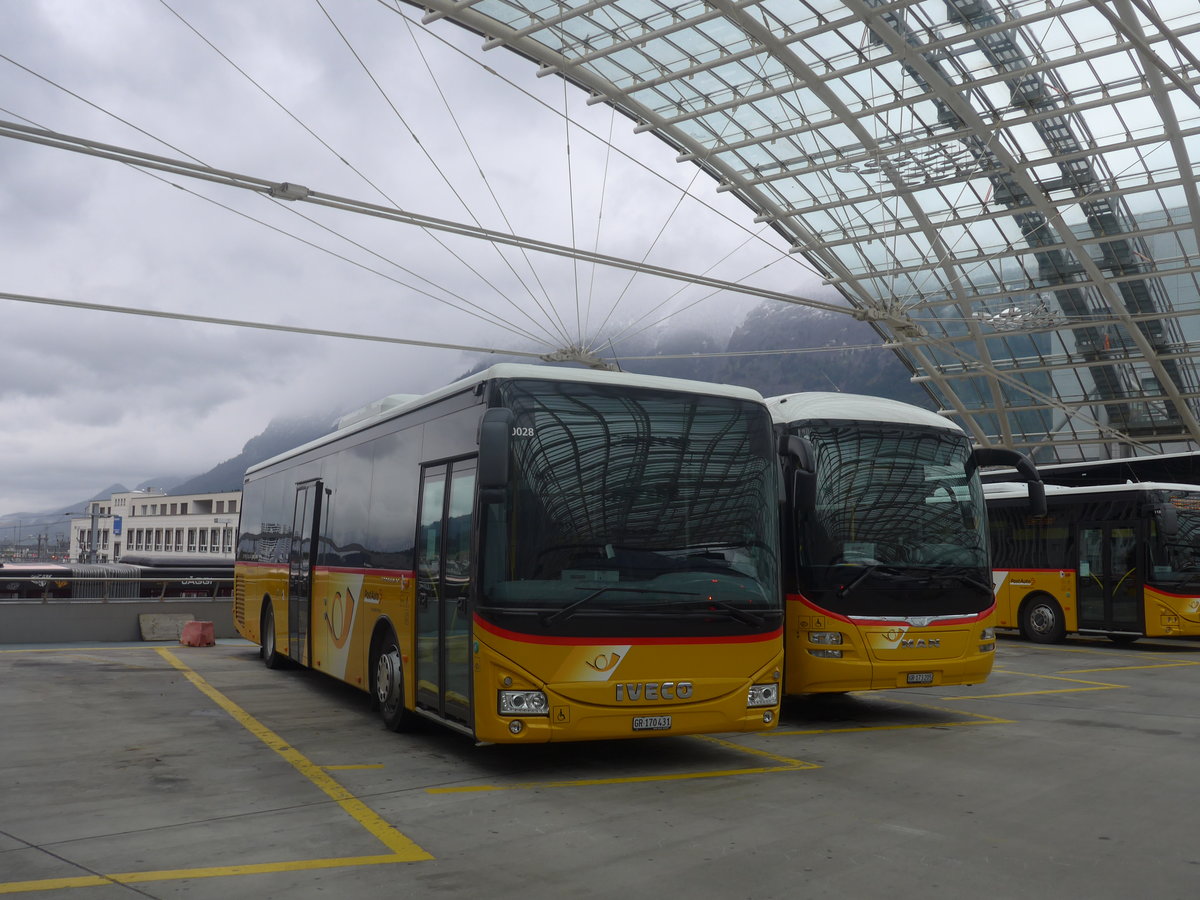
(197, 634)
(163, 626)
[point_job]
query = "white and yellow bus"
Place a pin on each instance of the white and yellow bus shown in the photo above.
(885, 548)
(1121, 560)
(530, 554)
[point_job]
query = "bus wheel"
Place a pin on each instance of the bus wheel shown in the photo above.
(389, 685)
(266, 651)
(1042, 620)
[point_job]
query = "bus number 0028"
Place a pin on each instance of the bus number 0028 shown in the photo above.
(522, 431)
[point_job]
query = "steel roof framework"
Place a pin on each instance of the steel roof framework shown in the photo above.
(1006, 189)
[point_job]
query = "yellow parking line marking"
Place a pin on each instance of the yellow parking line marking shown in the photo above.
(1171, 665)
(788, 762)
(1087, 686)
(788, 765)
(343, 768)
(983, 720)
(988, 720)
(53, 884)
(73, 649)
(592, 782)
(359, 811)
(403, 849)
(1061, 648)
(1078, 690)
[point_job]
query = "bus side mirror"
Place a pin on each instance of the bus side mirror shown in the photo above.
(1168, 519)
(804, 469)
(494, 433)
(1001, 456)
(799, 449)
(1037, 499)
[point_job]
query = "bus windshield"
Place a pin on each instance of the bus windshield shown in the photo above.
(892, 503)
(1175, 556)
(633, 512)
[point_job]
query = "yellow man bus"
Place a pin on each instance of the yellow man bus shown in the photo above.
(885, 549)
(530, 554)
(1121, 560)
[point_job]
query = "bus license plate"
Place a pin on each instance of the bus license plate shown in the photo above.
(651, 723)
(920, 678)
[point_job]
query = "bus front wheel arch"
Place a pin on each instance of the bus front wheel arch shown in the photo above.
(387, 681)
(267, 651)
(1042, 620)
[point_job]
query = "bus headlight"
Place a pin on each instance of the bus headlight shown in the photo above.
(523, 703)
(763, 695)
(988, 634)
(987, 640)
(824, 637)
(826, 654)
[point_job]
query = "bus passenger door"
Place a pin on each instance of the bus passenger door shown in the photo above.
(1110, 578)
(444, 569)
(305, 516)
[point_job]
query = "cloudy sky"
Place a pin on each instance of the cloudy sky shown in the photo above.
(346, 97)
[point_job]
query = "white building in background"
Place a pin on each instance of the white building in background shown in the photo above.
(164, 527)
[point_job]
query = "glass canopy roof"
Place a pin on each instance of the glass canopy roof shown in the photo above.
(1006, 189)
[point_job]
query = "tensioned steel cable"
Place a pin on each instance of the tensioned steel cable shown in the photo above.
(383, 339)
(379, 190)
(629, 333)
(393, 6)
(480, 312)
(446, 180)
(571, 213)
(551, 313)
(262, 326)
(719, 138)
(483, 315)
(629, 282)
(300, 193)
(591, 288)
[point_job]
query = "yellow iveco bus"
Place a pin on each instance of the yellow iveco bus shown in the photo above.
(530, 554)
(1121, 560)
(885, 549)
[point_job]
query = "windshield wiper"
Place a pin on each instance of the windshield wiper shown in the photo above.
(569, 610)
(876, 568)
(967, 579)
(707, 604)
(742, 615)
(711, 605)
(1185, 579)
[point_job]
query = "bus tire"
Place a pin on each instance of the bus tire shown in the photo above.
(387, 683)
(266, 650)
(1042, 620)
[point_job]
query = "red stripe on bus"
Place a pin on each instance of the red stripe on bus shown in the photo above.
(1011, 571)
(597, 641)
(1166, 593)
(961, 620)
(340, 570)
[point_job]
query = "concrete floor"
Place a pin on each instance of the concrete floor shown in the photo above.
(164, 771)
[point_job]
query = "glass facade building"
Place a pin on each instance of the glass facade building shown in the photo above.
(1005, 189)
